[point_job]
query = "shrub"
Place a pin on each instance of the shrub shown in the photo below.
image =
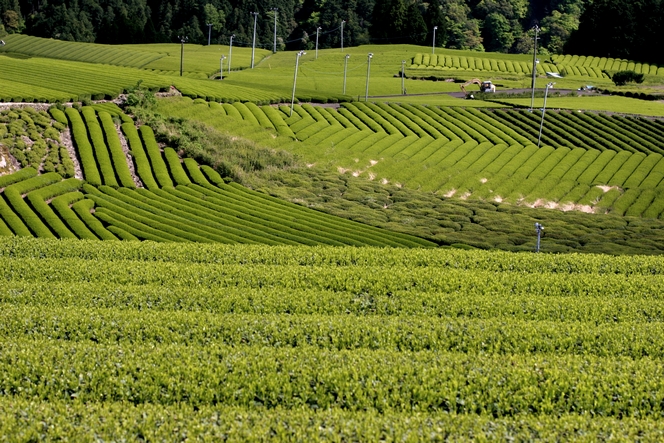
(621, 78)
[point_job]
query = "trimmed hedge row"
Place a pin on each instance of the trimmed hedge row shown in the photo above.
(588, 176)
(506, 133)
(99, 145)
(159, 225)
(554, 135)
(61, 206)
(194, 171)
(262, 119)
(175, 166)
(655, 177)
(278, 122)
(626, 170)
(232, 111)
(14, 192)
(367, 117)
(58, 115)
(432, 119)
(359, 124)
(515, 120)
(416, 123)
(13, 221)
(331, 228)
(83, 146)
(642, 171)
(242, 225)
(163, 204)
(612, 167)
(632, 138)
(37, 200)
(23, 174)
(492, 134)
(643, 202)
(82, 208)
(154, 153)
(133, 227)
(117, 154)
(143, 168)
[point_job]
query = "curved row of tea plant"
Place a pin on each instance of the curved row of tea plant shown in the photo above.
(606, 163)
(567, 65)
(201, 208)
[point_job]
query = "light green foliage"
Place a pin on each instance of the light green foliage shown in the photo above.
(417, 146)
(255, 342)
(32, 138)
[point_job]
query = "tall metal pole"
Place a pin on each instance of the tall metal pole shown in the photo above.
(546, 92)
(403, 86)
(342, 35)
(297, 64)
(209, 25)
(221, 67)
(345, 70)
(532, 98)
(539, 229)
(433, 47)
(253, 45)
(317, 32)
(183, 40)
(274, 49)
(366, 91)
(230, 54)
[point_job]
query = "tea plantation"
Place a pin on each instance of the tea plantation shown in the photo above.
(250, 343)
(210, 264)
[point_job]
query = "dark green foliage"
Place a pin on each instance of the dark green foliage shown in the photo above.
(621, 78)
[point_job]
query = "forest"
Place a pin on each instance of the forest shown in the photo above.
(616, 28)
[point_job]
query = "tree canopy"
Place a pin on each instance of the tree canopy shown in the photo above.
(619, 28)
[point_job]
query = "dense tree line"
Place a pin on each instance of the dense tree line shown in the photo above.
(622, 28)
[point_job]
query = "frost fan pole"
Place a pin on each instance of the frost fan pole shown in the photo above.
(532, 98)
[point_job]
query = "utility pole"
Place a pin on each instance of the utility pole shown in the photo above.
(274, 49)
(209, 25)
(366, 92)
(317, 32)
(342, 35)
(297, 64)
(221, 67)
(183, 40)
(403, 86)
(230, 54)
(539, 229)
(433, 47)
(253, 45)
(345, 71)
(546, 92)
(532, 98)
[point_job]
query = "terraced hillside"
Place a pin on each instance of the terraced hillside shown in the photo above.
(168, 200)
(254, 343)
(588, 161)
(566, 65)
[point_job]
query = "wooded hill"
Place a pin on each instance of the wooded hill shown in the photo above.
(613, 28)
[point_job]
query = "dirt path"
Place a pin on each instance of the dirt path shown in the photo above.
(65, 136)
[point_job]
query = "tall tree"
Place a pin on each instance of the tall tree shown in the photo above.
(389, 21)
(434, 16)
(415, 28)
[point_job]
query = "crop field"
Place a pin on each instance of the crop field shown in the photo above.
(566, 65)
(156, 57)
(249, 343)
(170, 199)
(602, 162)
